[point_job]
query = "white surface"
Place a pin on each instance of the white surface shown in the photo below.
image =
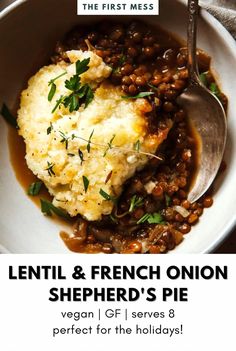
(129, 7)
(28, 317)
(24, 48)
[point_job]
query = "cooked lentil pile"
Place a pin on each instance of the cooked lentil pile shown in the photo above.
(153, 214)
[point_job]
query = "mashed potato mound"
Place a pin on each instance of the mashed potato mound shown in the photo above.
(59, 139)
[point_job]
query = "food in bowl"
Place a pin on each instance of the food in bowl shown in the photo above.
(104, 133)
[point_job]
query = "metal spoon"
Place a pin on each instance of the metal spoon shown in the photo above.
(205, 113)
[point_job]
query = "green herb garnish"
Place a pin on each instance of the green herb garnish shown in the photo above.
(82, 66)
(50, 128)
(86, 183)
(34, 188)
(59, 101)
(48, 209)
(155, 218)
(52, 91)
(54, 79)
(89, 142)
(65, 139)
(81, 156)
(53, 86)
(122, 59)
(213, 86)
(116, 70)
(144, 218)
(109, 145)
(9, 118)
(50, 169)
(152, 86)
(137, 146)
(135, 202)
(152, 218)
(73, 84)
(89, 96)
(107, 196)
(79, 93)
(72, 102)
(203, 78)
(140, 95)
(215, 90)
(167, 200)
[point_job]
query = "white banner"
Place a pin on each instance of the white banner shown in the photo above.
(118, 302)
(118, 7)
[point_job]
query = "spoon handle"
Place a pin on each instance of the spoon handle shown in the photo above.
(193, 10)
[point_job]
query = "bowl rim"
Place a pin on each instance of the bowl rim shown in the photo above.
(11, 7)
(223, 32)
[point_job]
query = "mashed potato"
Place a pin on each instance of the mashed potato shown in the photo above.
(58, 150)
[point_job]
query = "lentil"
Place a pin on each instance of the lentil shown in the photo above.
(208, 202)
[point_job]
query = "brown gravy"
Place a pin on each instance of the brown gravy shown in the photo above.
(23, 174)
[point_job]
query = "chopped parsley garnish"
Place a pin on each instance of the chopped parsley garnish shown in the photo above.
(53, 86)
(73, 84)
(215, 90)
(156, 218)
(213, 86)
(82, 66)
(109, 145)
(50, 128)
(48, 209)
(203, 78)
(80, 94)
(144, 218)
(107, 196)
(34, 188)
(71, 101)
(151, 218)
(54, 79)
(86, 183)
(59, 101)
(50, 169)
(89, 142)
(122, 59)
(152, 86)
(116, 70)
(167, 200)
(89, 96)
(65, 139)
(52, 91)
(9, 118)
(135, 202)
(140, 95)
(137, 146)
(81, 156)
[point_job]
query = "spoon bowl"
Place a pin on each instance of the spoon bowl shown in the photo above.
(206, 115)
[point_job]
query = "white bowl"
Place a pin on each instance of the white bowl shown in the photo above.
(29, 31)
